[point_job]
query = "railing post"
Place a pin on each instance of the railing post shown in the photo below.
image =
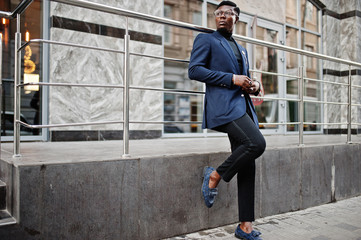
(300, 104)
(17, 92)
(349, 106)
(126, 93)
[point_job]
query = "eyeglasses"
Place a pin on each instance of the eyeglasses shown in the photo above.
(228, 13)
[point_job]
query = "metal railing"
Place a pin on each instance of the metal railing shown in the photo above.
(126, 86)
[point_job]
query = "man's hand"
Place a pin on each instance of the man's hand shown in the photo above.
(246, 83)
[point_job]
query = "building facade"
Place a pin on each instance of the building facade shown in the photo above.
(328, 26)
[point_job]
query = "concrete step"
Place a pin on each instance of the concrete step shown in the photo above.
(6, 218)
(2, 195)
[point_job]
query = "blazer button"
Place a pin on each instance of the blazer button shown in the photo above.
(242, 95)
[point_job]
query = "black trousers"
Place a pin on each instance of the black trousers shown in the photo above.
(247, 144)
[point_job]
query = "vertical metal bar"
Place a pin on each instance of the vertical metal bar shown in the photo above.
(126, 93)
(300, 104)
(349, 109)
(17, 89)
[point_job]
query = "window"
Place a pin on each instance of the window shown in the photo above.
(167, 29)
(181, 107)
(31, 71)
(303, 31)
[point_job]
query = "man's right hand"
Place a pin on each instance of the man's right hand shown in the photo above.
(243, 81)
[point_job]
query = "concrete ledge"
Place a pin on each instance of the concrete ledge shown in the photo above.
(158, 197)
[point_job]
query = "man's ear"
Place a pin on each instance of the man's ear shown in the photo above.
(236, 20)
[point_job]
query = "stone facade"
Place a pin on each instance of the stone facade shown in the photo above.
(341, 38)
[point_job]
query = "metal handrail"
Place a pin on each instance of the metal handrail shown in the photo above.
(68, 124)
(323, 81)
(163, 58)
(273, 73)
(20, 8)
(161, 20)
(69, 45)
(140, 16)
(69, 85)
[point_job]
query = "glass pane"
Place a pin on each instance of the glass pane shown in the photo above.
(291, 12)
(181, 107)
(266, 60)
(310, 42)
(241, 29)
(183, 11)
(30, 72)
(291, 41)
(309, 16)
(312, 89)
(292, 83)
(211, 23)
(312, 114)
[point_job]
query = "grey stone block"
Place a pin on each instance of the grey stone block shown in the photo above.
(6, 170)
(348, 169)
(2, 195)
(316, 175)
(280, 181)
(170, 199)
(258, 186)
(225, 208)
(79, 201)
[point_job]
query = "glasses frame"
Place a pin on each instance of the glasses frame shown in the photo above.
(227, 13)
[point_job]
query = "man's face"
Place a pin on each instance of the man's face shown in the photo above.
(225, 21)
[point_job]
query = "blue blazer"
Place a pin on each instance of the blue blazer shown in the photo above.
(214, 63)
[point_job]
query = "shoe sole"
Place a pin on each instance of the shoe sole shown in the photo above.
(242, 238)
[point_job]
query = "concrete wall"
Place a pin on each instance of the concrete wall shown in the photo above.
(152, 198)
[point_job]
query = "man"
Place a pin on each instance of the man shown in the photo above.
(222, 64)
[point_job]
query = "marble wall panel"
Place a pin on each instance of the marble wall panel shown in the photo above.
(341, 39)
(348, 40)
(331, 39)
(67, 64)
(341, 6)
(347, 5)
(155, 9)
(356, 99)
(76, 65)
(331, 4)
(358, 36)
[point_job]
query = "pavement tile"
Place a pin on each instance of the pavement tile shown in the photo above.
(334, 221)
(347, 226)
(321, 237)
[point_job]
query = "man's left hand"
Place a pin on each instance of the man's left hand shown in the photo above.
(253, 88)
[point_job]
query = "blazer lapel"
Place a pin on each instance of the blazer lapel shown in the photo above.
(244, 58)
(228, 49)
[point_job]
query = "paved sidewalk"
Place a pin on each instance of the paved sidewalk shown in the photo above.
(334, 221)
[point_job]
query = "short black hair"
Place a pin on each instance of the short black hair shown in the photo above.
(230, 3)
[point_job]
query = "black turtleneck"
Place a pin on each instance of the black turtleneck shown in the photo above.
(232, 43)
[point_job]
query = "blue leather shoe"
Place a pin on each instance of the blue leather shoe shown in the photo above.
(209, 194)
(254, 235)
